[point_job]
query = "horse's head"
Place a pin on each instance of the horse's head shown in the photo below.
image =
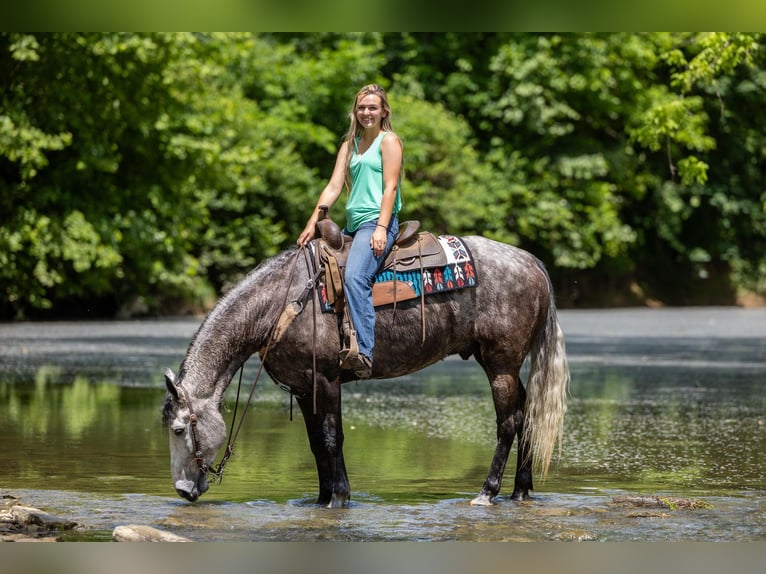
(197, 432)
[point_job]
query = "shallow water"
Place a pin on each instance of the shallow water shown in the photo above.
(666, 403)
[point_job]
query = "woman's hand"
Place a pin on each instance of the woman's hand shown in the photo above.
(308, 232)
(378, 241)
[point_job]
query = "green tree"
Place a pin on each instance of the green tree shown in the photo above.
(709, 217)
(604, 143)
(138, 170)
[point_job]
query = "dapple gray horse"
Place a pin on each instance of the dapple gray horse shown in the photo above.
(509, 315)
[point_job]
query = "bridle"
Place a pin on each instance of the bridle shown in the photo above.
(183, 395)
(203, 466)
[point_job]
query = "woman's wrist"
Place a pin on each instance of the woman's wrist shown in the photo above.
(383, 226)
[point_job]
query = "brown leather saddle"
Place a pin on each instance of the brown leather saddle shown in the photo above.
(412, 250)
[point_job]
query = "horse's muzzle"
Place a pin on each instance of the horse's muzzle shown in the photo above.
(191, 490)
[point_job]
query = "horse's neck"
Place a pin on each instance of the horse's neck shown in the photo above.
(237, 327)
(212, 368)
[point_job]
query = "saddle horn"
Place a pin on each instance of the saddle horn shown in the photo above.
(328, 230)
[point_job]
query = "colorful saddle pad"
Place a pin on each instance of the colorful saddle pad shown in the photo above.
(457, 273)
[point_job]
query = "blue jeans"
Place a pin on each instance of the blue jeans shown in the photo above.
(361, 267)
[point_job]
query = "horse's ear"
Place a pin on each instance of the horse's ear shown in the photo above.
(170, 383)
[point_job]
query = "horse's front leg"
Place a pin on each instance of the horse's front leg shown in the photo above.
(325, 432)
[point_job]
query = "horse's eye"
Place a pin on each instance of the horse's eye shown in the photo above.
(178, 431)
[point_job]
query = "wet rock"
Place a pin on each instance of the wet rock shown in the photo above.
(35, 519)
(665, 502)
(647, 514)
(143, 533)
(576, 536)
(20, 523)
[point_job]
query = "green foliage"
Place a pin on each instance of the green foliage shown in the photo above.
(446, 185)
(143, 170)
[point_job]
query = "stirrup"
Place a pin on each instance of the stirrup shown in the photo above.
(350, 348)
(350, 357)
(362, 366)
(350, 351)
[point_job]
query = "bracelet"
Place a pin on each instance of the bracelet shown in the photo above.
(383, 226)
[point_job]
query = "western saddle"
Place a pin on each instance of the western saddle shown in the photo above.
(412, 250)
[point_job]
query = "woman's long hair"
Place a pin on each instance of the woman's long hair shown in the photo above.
(355, 129)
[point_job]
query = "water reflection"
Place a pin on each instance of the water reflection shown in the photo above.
(697, 430)
(67, 410)
(81, 432)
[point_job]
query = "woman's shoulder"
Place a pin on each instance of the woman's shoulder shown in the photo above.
(390, 139)
(345, 147)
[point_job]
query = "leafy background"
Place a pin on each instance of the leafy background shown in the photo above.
(145, 173)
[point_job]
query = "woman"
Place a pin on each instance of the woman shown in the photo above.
(369, 162)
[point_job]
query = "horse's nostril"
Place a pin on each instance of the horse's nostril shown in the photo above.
(187, 489)
(190, 496)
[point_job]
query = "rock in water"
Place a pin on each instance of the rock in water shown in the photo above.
(142, 533)
(33, 516)
(25, 523)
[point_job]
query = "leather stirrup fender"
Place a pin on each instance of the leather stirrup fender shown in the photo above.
(337, 284)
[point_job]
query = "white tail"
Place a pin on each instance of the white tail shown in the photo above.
(547, 391)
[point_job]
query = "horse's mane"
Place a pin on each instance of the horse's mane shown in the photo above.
(251, 302)
(266, 274)
(249, 307)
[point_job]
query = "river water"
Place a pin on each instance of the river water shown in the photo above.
(664, 403)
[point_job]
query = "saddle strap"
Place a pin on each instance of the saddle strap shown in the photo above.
(422, 290)
(335, 282)
(422, 297)
(395, 250)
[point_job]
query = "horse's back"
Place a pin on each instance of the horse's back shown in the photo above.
(502, 268)
(513, 296)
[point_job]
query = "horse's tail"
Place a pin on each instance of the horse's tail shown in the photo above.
(547, 389)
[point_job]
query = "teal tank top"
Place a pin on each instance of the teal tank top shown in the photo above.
(366, 194)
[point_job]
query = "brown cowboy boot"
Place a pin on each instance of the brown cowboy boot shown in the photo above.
(350, 357)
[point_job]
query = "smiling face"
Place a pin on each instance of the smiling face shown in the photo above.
(370, 111)
(210, 431)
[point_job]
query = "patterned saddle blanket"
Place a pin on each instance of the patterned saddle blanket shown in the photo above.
(424, 265)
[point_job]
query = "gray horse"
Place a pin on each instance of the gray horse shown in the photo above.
(509, 315)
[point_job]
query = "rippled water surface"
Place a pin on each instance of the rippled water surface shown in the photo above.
(666, 403)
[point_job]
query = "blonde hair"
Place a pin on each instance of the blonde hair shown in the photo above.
(355, 129)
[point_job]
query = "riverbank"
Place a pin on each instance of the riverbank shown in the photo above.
(22, 523)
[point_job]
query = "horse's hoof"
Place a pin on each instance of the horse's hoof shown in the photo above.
(338, 501)
(482, 500)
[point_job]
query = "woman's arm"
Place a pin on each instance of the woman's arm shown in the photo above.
(391, 150)
(329, 194)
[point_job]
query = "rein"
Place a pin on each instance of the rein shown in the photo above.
(217, 472)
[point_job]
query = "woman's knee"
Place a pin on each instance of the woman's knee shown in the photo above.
(358, 282)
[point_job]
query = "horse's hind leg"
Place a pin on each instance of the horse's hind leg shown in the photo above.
(523, 482)
(508, 396)
(325, 433)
